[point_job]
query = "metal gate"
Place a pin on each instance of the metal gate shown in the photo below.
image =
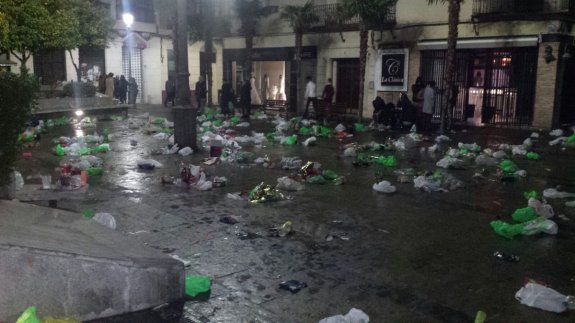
(504, 80)
(132, 67)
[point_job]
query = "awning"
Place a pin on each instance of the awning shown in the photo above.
(527, 41)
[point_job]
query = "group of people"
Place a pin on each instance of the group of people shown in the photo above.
(118, 87)
(417, 111)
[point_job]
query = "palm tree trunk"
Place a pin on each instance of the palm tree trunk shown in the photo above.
(78, 75)
(363, 34)
(454, 9)
(248, 58)
(209, 53)
(298, 48)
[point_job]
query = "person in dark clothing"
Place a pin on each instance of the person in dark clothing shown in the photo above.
(201, 94)
(246, 99)
(122, 89)
(102, 83)
(327, 95)
(378, 108)
(408, 111)
(226, 96)
(170, 91)
(117, 87)
(132, 91)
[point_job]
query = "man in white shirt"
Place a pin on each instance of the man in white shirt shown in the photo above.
(309, 94)
(428, 104)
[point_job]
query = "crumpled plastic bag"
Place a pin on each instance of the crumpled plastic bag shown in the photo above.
(350, 152)
(427, 183)
(287, 184)
(105, 219)
(542, 209)
(289, 140)
(525, 214)
(556, 133)
(185, 151)
(486, 161)
(353, 316)
(557, 141)
(29, 316)
(442, 138)
(389, 161)
(384, 187)
(540, 225)
(196, 284)
(507, 166)
(310, 141)
(339, 128)
(552, 193)
(500, 154)
(519, 150)
(539, 296)
(450, 162)
(291, 163)
(263, 193)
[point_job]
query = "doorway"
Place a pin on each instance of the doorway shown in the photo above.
(347, 78)
(567, 114)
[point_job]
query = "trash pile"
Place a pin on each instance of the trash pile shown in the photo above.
(80, 146)
(192, 176)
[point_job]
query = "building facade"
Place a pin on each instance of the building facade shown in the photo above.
(514, 57)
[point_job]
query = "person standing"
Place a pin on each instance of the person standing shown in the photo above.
(327, 95)
(102, 84)
(201, 94)
(428, 104)
(117, 87)
(122, 89)
(246, 99)
(170, 91)
(255, 94)
(226, 96)
(309, 94)
(132, 91)
(110, 85)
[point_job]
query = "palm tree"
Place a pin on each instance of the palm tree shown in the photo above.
(249, 12)
(300, 18)
(370, 13)
(453, 9)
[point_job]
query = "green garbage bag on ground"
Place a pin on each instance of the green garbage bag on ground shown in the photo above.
(531, 195)
(571, 138)
(389, 161)
(88, 213)
(317, 179)
(84, 151)
(290, 140)
(324, 131)
(524, 215)
(95, 171)
(159, 121)
(29, 316)
(59, 151)
(304, 131)
(507, 230)
(271, 136)
(196, 284)
(359, 127)
(330, 175)
(169, 131)
(103, 148)
(235, 120)
(532, 155)
(507, 166)
(217, 122)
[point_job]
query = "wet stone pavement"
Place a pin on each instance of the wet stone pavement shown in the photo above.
(411, 256)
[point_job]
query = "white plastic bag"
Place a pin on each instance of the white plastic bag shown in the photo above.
(105, 219)
(428, 184)
(310, 141)
(552, 193)
(384, 187)
(243, 125)
(353, 316)
(287, 184)
(539, 296)
(557, 141)
(500, 154)
(442, 138)
(519, 150)
(350, 152)
(339, 128)
(538, 225)
(449, 162)
(534, 135)
(486, 161)
(556, 133)
(542, 209)
(185, 151)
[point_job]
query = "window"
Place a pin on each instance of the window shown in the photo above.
(50, 66)
(142, 10)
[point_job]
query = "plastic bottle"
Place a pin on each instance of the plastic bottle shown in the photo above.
(507, 257)
(285, 229)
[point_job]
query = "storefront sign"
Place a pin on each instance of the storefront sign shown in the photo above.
(391, 70)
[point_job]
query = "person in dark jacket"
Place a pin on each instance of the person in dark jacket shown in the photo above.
(246, 99)
(132, 91)
(122, 89)
(226, 97)
(408, 111)
(170, 91)
(201, 94)
(378, 108)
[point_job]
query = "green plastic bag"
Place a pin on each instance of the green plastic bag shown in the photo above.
(507, 230)
(84, 151)
(235, 120)
(463, 152)
(532, 194)
(29, 316)
(217, 122)
(570, 138)
(389, 161)
(210, 113)
(88, 213)
(330, 175)
(271, 136)
(362, 157)
(159, 121)
(168, 131)
(59, 151)
(317, 179)
(95, 171)
(524, 215)
(258, 114)
(359, 127)
(304, 131)
(196, 284)
(324, 131)
(532, 155)
(508, 166)
(290, 140)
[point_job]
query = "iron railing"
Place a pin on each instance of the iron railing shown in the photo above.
(330, 18)
(523, 8)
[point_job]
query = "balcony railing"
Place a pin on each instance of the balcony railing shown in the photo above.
(523, 9)
(331, 19)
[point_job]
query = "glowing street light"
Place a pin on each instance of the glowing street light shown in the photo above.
(128, 19)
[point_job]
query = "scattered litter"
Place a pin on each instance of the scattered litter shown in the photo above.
(570, 204)
(283, 231)
(291, 163)
(105, 219)
(310, 141)
(287, 184)
(557, 141)
(229, 220)
(556, 133)
(533, 155)
(148, 164)
(293, 286)
(353, 316)
(235, 196)
(264, 193)
(243, 125)
(542, 297)
(534, 135)
(552, 193)
(384, 187)
(340, 128)
(442, 138)
(428, 183)
(450, 162)
(196, 284)
(350, 152)
(185, 151)
(519, 150)
(505, 256)
(486, 161)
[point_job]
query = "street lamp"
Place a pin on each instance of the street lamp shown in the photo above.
(128, 21)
